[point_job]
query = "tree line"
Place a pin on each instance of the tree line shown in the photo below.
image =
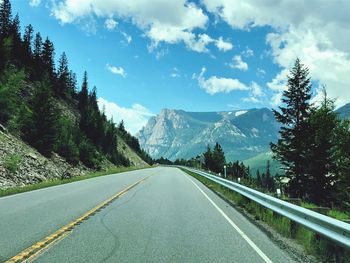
(214, 160)
(41, 104)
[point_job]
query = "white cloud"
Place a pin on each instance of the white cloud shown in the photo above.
(175, 73)
(110, 24)
(170, 22)
(215, 84)
(116, 70)
(248, 52)
(316, 32)
(260, 72)
(134, 118)
(34, 3)
(238, 63)
(256, 94)
(127, 37)
(223, 45)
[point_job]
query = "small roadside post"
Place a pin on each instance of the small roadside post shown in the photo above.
(278, 192)
(224, 171)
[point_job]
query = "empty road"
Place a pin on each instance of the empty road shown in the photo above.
(167, 217)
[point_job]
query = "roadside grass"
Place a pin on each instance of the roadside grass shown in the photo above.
(322, 248)
(53, 182)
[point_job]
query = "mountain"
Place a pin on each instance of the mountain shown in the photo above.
(344, 111)
(177, 134)
(259, 162)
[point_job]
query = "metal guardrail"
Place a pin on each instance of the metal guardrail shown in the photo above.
(331, 228)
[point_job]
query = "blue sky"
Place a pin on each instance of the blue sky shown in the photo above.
(208, 55)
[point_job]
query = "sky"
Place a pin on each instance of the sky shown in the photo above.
(203, 55)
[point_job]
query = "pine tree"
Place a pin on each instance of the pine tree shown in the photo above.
(218, 158)
(62, 87)
(5, 18)
(83, 103)
(16, 49)
(208, 158)
(27, 45)
(38, 66)
(44, 134)
(258, 178)
(321, 167)
(341, 151)
(269, 181)
(292, 146)
(48, 56)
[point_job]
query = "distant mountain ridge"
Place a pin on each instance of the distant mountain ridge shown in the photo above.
(180, 134)
(344, 111)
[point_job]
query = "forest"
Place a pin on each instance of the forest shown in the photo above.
(41, 103)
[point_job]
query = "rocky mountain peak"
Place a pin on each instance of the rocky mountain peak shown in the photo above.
(179, 134)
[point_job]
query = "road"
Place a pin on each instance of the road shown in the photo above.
(168, 217)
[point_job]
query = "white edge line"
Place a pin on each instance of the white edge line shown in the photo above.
(242, 234)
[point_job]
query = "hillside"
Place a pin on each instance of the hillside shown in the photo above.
(177, 134)
(344, 111)
(259, 162)
(51, 126)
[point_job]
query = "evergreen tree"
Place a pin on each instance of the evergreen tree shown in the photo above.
(27, 46)
(38, 66)
(11, 83)
(269, 181)
(341, 192)
(62, 87)
(66, 140)
(322, 140)
(258, 178)
(44, 119)
(208, 158)
(83, 94)
(5, 18)
(5, 23)
(218, 158)
(48, 56)
(292, 146)
(16, 42)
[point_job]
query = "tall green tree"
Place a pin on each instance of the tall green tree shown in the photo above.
(27, 46)
(38, 65)
(218, 158)
(208, 158)
(43, 135)
(63, 75)
(341, 194)
(291, 148)
(11, 83)
(5, 17)
(48, 59)
(321, 166)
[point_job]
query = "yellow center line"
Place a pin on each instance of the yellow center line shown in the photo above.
(41, 245)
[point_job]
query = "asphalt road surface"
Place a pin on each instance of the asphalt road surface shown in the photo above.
(168, 217)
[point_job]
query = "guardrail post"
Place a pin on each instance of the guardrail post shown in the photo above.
(293, 229)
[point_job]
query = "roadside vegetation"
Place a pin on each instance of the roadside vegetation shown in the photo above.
(54, 182)
(314, 152)
(323, 249)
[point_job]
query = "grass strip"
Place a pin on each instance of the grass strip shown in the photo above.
(53, 182)
(323, 249)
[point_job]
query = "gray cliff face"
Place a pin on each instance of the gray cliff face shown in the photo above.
(179, 134)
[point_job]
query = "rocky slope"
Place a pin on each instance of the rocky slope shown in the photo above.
(179, 134)
(20, 164)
